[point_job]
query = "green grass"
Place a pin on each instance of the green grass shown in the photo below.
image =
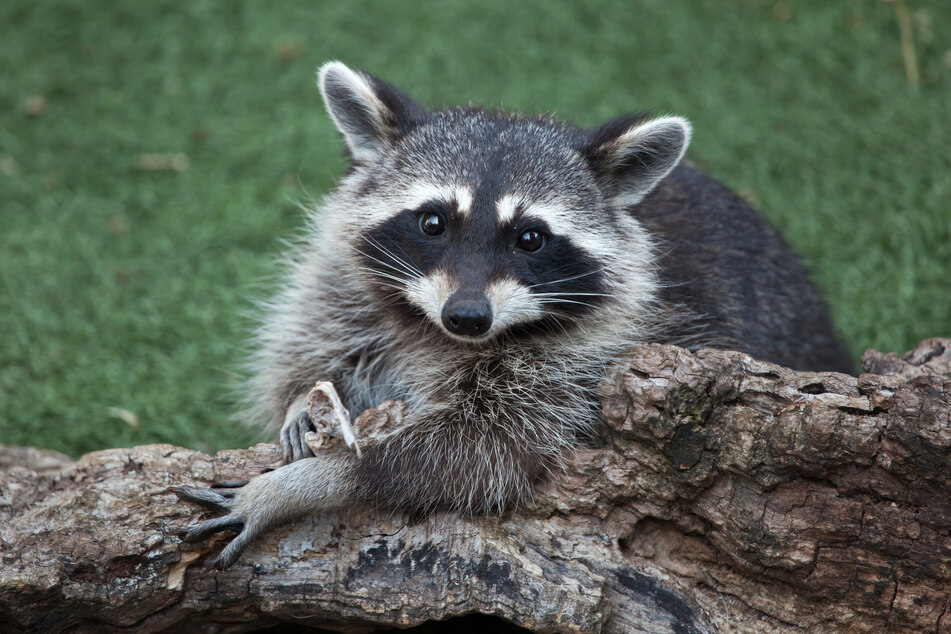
(123, 288)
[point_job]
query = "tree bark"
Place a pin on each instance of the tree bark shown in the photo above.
(728, 494)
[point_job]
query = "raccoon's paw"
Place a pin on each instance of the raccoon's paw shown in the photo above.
(293, 437)
(223, 501)
(315, 421)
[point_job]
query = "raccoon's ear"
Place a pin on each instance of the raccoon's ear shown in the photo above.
(631, 155)
(369, 113)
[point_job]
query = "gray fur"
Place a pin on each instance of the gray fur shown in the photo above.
(491, 415)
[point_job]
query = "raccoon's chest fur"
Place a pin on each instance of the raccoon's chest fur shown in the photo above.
(541, 390)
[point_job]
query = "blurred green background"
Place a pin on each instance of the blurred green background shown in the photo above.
(152, 156)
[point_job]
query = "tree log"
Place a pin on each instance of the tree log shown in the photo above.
(727, 494)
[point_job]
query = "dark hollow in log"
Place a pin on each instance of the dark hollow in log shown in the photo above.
(728, 494)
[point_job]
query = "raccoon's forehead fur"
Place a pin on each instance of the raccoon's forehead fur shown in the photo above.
(493, 154)
(490, 177)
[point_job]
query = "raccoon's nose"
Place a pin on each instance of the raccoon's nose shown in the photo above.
(466, 314)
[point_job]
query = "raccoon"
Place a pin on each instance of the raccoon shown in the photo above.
(485, 267)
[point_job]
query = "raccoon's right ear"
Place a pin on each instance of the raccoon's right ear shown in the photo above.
(369, 113)
(631, 155)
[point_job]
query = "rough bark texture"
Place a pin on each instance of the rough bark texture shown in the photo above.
(729, 495)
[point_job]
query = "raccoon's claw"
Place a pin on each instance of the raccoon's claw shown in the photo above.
(209, 498)
(198, 532)
(292, 437)
(221, 501)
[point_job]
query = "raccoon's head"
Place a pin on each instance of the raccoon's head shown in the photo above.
(483, 222)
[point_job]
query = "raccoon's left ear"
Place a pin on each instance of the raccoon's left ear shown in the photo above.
(368, 112)
(631, 155)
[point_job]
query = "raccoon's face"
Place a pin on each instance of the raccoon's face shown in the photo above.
(485, 223)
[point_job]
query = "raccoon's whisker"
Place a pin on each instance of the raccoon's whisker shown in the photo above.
(378, 273)
(406, 266)
(387, 281)
(401, 270)
(406, 261)
(570, 294)
(567, 279)
(397, 267)
(384, 275)
(546, 301)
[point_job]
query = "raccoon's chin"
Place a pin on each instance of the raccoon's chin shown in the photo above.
(470, 340)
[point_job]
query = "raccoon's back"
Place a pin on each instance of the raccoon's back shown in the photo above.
(734, 281)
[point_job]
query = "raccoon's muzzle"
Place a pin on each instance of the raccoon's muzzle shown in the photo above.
(467, 314)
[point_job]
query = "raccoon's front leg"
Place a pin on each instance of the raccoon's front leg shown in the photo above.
(303, 487)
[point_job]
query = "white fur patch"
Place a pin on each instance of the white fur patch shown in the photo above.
(505, 208)
(430, 294)
(512, 303)
(380, 207)
(421, 192)
(463, 199)
(414, 195)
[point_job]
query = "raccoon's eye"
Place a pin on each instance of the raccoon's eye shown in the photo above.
(432, 224)
(531, 240)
